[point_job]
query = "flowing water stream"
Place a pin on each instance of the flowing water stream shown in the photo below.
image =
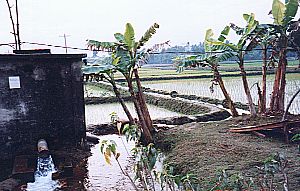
(98, 174)
(43, 176)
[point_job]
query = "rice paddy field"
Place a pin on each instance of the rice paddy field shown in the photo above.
(100, 113)
(200, 87)
(157, 71)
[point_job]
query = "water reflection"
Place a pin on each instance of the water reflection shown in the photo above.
(97, 114)
(100, 175)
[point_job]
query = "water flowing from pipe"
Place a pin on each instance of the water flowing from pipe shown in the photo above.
(43, 176)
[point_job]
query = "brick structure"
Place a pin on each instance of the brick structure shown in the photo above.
(41, 96)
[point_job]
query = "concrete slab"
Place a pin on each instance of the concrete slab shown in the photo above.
(21, 169)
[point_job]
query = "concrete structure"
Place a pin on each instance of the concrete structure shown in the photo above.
(41, 96)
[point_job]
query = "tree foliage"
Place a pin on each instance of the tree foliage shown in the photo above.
(126, 56)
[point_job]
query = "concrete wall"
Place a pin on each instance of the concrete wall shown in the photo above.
(49, 103)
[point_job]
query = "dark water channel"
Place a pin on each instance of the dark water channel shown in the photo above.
(94, 174)
(100, 175)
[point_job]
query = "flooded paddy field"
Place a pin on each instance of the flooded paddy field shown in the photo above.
(200, 87)
(100, 113)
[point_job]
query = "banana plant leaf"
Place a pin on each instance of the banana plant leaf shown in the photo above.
(290, 11)
(278, 10)
(129, 36)
(97, 69)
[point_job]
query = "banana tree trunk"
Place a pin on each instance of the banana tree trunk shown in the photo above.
(259, 92)
(246, 86)
(274, 97)
(122, 102)
(263, 100)
(146, 132)
(278, 94)
(283, 59)
(281, 94)
(229, 101)
(142, 101)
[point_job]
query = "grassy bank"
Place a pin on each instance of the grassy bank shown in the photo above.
(205, 148)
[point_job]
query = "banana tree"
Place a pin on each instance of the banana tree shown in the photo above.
(208, 60)
(107, 71)
(263, 37)
(238, 50)
(264, 40)
(283, 15)
(128, 56)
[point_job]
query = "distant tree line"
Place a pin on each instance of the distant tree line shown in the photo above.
(166, 55)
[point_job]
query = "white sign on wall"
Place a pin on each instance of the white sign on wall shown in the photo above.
(14, 82)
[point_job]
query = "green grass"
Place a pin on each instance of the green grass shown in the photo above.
(157, 73)
(225, 68)
(154, 72)
(92, 90)
(258, 63)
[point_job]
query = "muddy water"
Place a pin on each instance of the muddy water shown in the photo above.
(100, 175)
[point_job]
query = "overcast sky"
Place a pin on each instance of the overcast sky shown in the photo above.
(181, 21)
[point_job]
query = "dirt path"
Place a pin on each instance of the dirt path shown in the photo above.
(204, 148)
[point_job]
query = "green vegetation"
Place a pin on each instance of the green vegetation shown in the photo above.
(196, 151)
(206, 149)
(155, 72)
(277, 36)
(198, 160)
(95, 91)
(164, 58)
(225, 68)
(126, 55)
(257, 64)
(145, 159)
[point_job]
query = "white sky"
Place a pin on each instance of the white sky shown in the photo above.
(181, 21)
